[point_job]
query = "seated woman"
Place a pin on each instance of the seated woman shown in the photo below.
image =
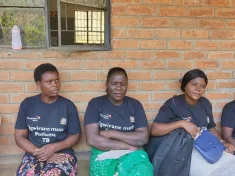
(198, 109)
(228, 123)
(47, 127)
(117, 122)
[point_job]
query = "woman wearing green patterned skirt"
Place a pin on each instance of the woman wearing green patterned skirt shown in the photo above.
(116, 128)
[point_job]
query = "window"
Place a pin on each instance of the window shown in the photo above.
(69, 24)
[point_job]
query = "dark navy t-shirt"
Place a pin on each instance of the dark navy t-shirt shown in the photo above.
(228, 116)
(201, 113)
(48, 123)
(126, 117)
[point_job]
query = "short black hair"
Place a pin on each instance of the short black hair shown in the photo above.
(192, 74)
(41, 69)
(115, 70)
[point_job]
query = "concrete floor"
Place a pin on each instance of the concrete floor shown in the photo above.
(9, 169)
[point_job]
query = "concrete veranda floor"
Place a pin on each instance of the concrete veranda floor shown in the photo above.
(9, 169)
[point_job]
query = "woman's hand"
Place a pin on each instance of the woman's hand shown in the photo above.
(45, 152)
(57, 157)
(229, 147)
(191, 128)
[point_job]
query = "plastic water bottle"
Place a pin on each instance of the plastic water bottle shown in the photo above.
(16, 39)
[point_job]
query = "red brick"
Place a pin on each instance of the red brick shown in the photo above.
(180, 44)
(32, 54)
(64, 76)
(5, 141)
(118, 10)
(227, 45)
(222, 34)
(172, 11)
(68, 64)
(125, 64)
(140, 75)
(21, 76)
(211, 23)
(5, 120)
(153, 44)
(230, 24)
(155, 22)
(139, 54)
(184, 22)
(18, 98)
(207, 64)
(226, 85)
(118, 33)
(201, 12)
(4, 98)
(10, 64)
(219, 75)
(55, 54)
(31, 87)
(133, 86)
(71, 87)
(167, 54)
(141, 10)
(149, 116)
(83, 75)
(206, 45)
(152, 64)
(8, 108)
(225, 13)
(140, 33)
(11, 87)
(140, 96)
(220, 55)
(85, 55)
(152, 85)
(211, 85)
(230, 64)
(32, 64)
(194, 34)
(232, 3)
(167, 33)
(219, 3)
(96, 64)
(95, 86)
(82, 97)
(217, 95)
(194, 55)
(125, 44)
(187, 3)
(154, 106)
(125, 21)
(126, 1)
(220, 105)
(102, 75)
(173, 85)
(233, 95)
(113, 54)
(158, 2)
(4, 76)
(163, 95)
(159, 75)
(180, 64)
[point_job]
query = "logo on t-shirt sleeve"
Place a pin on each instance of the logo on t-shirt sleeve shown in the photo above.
(63, 121)
(132, 119)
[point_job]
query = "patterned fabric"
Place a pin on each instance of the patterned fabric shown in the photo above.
(133, 164)
(30, 166)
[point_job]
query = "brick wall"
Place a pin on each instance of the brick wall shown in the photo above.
(157, 41)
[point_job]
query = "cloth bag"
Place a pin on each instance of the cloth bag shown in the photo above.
(209, 147)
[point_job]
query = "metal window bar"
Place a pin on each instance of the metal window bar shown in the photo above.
(59, 23)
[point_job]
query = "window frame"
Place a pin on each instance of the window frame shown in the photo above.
(107, 32)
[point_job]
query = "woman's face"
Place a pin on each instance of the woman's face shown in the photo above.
(116, 87)
(194, 89)
(49, 84)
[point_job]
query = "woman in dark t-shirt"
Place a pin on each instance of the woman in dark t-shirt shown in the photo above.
(46, 128)
(115, 122)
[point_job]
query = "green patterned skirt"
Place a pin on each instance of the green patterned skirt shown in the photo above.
(132, 164)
